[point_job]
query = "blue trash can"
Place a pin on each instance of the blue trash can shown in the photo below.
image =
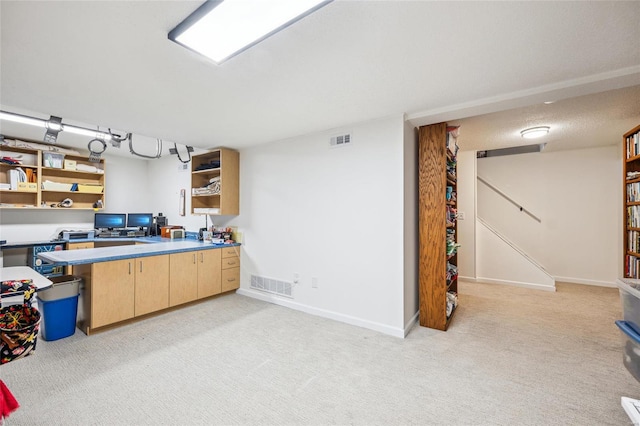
(58, 306)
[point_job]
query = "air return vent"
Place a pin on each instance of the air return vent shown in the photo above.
(340, 140)
(270, 285)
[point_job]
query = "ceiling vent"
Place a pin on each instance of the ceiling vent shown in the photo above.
(340, 140)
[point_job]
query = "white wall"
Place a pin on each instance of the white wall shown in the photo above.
(411, 298)
(335, 214)
(467, 204)
(577, 194)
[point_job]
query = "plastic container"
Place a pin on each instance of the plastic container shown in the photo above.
(631, 343)
(59, 307)
(630, 298)
(52, 159)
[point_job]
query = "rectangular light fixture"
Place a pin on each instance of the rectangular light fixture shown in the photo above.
(221, 29)
(54, 125)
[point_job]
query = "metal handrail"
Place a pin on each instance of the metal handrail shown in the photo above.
(511, 200)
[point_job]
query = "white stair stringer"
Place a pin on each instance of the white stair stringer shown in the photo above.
(500, 261)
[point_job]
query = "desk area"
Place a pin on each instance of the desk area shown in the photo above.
(126, 282)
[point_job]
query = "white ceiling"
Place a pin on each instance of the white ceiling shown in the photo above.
(109, 63)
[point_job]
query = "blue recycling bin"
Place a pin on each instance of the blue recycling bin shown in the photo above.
(58, 307)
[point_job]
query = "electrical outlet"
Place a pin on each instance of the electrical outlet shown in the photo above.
(183, 167)
(314, 282)
(296, 278)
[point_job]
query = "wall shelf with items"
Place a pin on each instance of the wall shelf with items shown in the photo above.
(73, 177)
(79, 179)
(631, 203)
(18, 194)
(437, 217)
(215, 182)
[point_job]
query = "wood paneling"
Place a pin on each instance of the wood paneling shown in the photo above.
(432, 182)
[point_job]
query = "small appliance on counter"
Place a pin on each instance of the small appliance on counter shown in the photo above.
(172, 231)
(77, 235)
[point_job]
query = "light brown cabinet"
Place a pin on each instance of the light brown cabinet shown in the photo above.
(123, 289)
(183, 278)
(120, 290)
(215, 182)
(151, 284)
(194, 275)
(209, 280)
(230, 268)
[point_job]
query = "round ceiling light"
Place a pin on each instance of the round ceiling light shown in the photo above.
(535, 132)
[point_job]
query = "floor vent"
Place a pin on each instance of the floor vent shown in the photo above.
(340, 140)
(270, 285)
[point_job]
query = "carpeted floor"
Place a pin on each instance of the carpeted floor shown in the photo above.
(512, 356)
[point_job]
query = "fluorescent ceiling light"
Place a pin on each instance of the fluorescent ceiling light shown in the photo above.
(534, 132)
(86, 132)
(220, 29)
(23, 119)
(54, 124)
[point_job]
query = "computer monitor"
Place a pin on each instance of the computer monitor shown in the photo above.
(139, 220)
(109, 220)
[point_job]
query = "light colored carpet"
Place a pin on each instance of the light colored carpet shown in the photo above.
(511, 356)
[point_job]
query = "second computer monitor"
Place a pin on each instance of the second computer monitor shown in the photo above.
(139, 220)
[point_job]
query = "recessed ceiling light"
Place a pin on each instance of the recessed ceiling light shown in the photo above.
(221, 29)
(548, 102)
(535, 132)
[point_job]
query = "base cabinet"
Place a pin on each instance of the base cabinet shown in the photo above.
(151, 284)
(183, 278)
(230, 268)
(209, 282)
(122, 289)
(112, 292)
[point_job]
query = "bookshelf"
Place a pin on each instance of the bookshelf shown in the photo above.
(631, 202)
(437, 224)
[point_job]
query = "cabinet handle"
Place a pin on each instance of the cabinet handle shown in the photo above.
(194, 258)
(129, 268)
(141, 266)
(201, 257)
(230, 280)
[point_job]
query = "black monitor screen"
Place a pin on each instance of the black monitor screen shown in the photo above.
(109, 220)
(143, 220)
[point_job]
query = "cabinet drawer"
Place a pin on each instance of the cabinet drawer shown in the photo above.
(230, 262)
(230, 279)
(230, 252)
(79, 246)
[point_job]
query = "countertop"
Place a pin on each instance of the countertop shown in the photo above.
(155, 246)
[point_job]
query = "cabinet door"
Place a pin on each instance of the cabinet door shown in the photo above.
(183, 278)
(230, 279)
(208, 273)
(112, 292)
(152, 284)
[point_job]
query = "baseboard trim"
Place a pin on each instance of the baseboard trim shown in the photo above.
(468, 279)
(573, 280)
(409, 325)
(382, 328)
(516, 284)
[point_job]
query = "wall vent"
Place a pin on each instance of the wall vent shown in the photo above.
(271, 285)
(340, 140)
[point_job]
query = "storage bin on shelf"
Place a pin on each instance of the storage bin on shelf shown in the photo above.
(19, 320)
(56, 186)
(52, 159)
